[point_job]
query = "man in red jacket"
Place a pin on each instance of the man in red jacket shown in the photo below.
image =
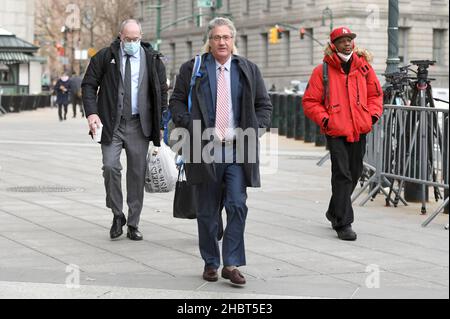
(345, 107)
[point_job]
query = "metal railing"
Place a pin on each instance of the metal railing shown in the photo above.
(290, 120)
(18, 103)
(408, 145)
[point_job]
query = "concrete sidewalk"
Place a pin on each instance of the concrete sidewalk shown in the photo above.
(291, 250)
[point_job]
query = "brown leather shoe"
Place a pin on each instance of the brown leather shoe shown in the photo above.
(210, 274)
(234, 276)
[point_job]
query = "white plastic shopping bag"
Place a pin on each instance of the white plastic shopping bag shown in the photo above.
(161, 174)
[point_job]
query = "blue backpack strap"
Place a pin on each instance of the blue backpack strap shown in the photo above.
(167, 115)
(195, 74)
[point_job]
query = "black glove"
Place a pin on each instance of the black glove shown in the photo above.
(325, 123)
(374, 119)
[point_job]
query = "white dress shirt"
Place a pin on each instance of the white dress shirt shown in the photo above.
(135, 62)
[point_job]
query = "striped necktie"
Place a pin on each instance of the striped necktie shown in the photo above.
(223, 105)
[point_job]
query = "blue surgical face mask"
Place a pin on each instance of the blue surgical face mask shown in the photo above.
(131, 48)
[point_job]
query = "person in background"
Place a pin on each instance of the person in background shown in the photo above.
(133, 93)
(62, 90)
(76, 98)
(345, 107)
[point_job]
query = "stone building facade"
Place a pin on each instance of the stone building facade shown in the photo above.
(17, 16)
(423, 32)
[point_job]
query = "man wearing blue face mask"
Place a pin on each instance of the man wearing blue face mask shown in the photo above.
(124, 92)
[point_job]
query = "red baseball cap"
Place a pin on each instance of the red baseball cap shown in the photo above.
(341, 32)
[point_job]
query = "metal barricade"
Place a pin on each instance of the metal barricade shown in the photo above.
(310, 131)
(408, 144)
(320, 138)
(2, 110)
(299, 118)
(290, 116)
(274, 98)
(282, 123)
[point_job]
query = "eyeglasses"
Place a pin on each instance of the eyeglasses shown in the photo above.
(217, 38)
(128, 40)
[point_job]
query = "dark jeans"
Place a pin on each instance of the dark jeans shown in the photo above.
(230, 191)
(346, 169)
(60, 108)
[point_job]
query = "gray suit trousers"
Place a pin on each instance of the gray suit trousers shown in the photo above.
(128, 135)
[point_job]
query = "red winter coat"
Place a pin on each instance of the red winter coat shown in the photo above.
(353, 98)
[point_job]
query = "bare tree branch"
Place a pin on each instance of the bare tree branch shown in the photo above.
(99, 23)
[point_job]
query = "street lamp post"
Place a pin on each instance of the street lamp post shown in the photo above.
(158, 24)
(327, 12)
(89, 23)
(158, 8)
(159, 28)
(64, 31)
(393, 60)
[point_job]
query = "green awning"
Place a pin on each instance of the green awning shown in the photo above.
(14, 57)
(37, 58)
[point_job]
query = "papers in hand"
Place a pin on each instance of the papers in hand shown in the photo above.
(98, 133)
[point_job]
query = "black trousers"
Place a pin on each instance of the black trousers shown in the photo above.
(60, 111)
(77, 101)
(346, 169)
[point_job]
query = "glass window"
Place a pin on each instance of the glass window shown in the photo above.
(189, 49)
(5, 74)
(403, 34)
(243, 46)
(245, 6)
(287, 47)
(265, 46)
(438, 49)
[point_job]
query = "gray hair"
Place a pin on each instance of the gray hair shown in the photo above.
(216, 22)
(124, 23)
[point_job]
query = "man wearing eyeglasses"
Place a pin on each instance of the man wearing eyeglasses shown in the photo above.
(124, 90)
(229, 94)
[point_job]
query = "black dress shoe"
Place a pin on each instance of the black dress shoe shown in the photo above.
(134, 234)
(116, 228)
(346, 233)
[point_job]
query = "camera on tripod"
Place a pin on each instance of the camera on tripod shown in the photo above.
(422, 68)
(398, 79)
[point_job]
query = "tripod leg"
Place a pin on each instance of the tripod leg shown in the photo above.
(392, 149)
(399, 197)
(437, 140)
(424, 156)
(401, 152)
(388, 198)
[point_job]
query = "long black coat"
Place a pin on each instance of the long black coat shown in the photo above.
(103, 72)
(62, 95)
(256, 111)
